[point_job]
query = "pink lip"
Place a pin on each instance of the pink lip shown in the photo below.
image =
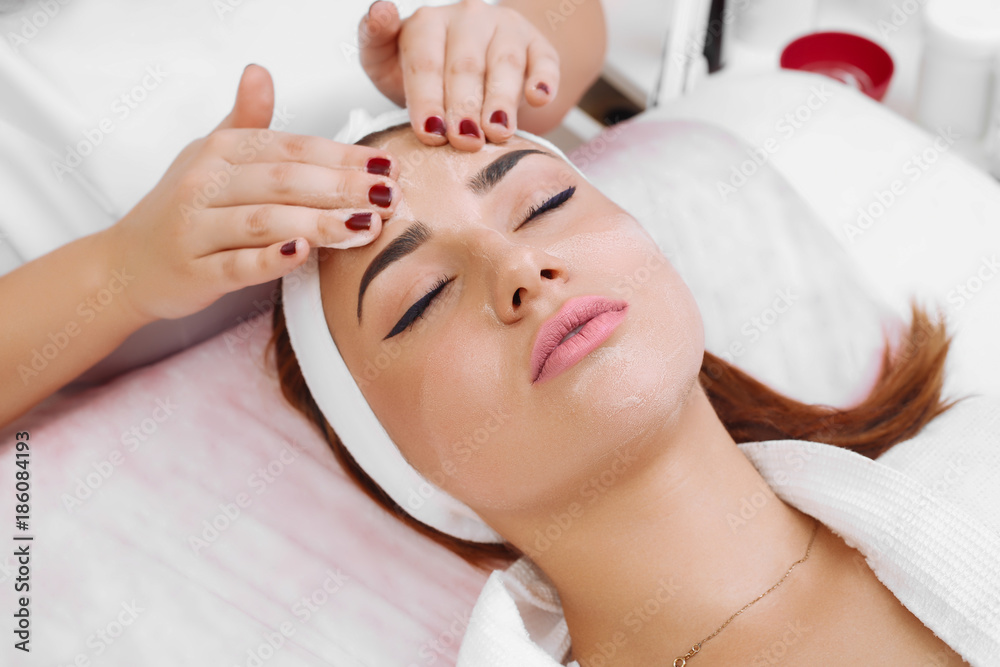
(601, 317)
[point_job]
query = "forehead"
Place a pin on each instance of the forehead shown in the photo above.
(433, 180)
(443, 164)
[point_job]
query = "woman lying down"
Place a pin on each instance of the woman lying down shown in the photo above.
(475, 371)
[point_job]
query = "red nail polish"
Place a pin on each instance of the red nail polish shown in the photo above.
(468, 128)
(434, 125)
(499, 118)
(359, 222)
(380, 195)
(289, 248)
(542, 86)
(378, 165)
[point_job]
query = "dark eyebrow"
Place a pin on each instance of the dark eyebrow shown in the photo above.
(415, 235)
(418, 233)
(491, 174)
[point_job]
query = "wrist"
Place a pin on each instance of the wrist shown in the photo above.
(115, 284)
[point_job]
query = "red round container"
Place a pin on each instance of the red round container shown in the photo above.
(851, 59)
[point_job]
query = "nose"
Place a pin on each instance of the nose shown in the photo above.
(524, 275)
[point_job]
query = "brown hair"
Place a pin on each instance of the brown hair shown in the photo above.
(906, 395)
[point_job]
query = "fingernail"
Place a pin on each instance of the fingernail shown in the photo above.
(499, 118)
(378, 165)
(359, 222)
(434, 125)
(468, 128)
(542, 86)
(380, 195)
(289, 248)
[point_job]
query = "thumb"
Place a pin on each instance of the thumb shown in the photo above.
(254, 101)
(377, 34)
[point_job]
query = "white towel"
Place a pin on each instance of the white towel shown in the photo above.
(941, 562)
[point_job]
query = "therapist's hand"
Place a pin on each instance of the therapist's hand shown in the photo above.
(243, 205)
(462, 70)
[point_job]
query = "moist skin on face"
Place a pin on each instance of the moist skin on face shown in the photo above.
(457, 398)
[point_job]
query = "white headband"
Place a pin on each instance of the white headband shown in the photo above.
(339, 397)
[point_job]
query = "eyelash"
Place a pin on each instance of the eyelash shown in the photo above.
(416, 311)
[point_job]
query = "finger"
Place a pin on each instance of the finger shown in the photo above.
(296, 184)
(235, 269)
(421, 54)
(542, 83)
(259, 226)
(465, 74)
(249, 146)
(506, 62)
(254, 100)
(378, 33)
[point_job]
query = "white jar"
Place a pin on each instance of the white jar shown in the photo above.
(962, 39)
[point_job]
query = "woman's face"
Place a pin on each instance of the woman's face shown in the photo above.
(456, 389)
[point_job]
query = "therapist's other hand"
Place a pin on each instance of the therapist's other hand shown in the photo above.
(462, 70)
(243, 205)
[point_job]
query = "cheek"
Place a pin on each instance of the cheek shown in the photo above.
(632, 385)
(465, 403)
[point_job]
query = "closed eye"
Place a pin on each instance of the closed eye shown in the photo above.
(550, 205)
(416, 311)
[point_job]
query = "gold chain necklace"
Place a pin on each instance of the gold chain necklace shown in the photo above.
(681, 661)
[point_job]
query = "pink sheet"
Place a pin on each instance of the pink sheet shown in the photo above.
(125, 477)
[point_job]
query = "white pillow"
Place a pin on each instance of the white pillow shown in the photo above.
(778, 295)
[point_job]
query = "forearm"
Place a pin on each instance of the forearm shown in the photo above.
(577, 30)
(62, 313)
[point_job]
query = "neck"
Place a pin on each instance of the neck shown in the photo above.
(659, 559)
